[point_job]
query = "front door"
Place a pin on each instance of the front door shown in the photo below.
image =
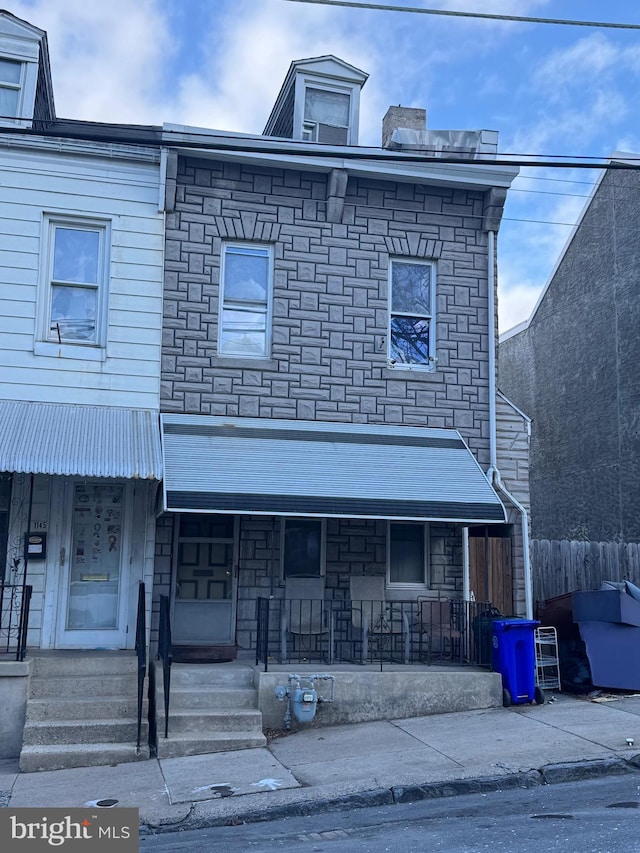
(94, 568)
(490, 567)
(204, 591)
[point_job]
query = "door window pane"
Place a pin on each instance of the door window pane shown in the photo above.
(96, 550)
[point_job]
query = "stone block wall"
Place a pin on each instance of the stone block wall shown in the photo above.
(353, 547)
(328, 357)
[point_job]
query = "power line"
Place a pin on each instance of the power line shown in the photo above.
(229, 142)
(454, 14)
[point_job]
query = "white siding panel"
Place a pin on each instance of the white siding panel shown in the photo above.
(124, 193)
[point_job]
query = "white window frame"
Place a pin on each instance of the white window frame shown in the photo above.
(14, 87)
(225, 303)
(310, 81)
(430, 364)
(426, 563)
(26, 51)
(47, 342)
(323, 544)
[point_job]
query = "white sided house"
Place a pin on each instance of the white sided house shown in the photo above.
(81, 270)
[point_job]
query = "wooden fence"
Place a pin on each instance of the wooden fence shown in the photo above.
(560, 566)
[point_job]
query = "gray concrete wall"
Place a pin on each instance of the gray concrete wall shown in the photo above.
(369, 695)
(574, 371)
(14, 683)
(329, 353)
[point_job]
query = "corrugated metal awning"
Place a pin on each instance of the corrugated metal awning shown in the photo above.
(281, 467)
(86, 441)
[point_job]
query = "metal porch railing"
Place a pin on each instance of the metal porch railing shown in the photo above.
(15, 601)
(426, 631)
(141, 653)
(165, 653)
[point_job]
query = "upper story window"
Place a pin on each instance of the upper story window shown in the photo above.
(76, 282)
(245, 303)
(412, 314)
(407, 549)
(10, 87)
(326, 116)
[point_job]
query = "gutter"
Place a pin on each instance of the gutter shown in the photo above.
(493, 474)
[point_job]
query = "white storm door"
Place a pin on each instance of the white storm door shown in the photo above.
(93, 608)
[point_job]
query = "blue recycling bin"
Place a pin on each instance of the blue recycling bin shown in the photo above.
(514, 657)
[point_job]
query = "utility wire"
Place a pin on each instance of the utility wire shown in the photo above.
(454, 14)
(222, 143)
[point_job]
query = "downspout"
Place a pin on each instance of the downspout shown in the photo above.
(493, 474)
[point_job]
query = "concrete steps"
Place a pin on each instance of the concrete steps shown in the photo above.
(213, 708)
(82, 711)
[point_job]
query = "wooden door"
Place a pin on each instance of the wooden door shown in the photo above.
(490, 570)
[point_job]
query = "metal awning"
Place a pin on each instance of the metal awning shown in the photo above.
(282, 467)
(85, 441)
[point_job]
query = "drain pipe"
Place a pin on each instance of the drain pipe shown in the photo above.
(493, 474)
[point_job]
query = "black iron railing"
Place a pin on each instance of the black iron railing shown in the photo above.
(141, 653)
(426, 630)
(15, 600)
(262, 632)
(165, 653)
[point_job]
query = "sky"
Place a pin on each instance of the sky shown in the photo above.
(548, 89)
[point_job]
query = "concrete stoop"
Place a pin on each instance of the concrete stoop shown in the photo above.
(82, 711)
(213, 708)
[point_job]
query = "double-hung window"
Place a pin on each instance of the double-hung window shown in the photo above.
(10, 87)
(412, 314)
(302, 547)
(245, 303)
(326, 116)
(76, 270)
(407, 554)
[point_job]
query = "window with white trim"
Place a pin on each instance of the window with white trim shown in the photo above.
(326, 116)
(245, 301)
(76, 282)
(412, 332)
(302, 547)
(11, 74)
(407, 554)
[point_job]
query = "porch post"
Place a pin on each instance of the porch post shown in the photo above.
(465, 565)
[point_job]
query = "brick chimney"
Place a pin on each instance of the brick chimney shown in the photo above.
(411, 117)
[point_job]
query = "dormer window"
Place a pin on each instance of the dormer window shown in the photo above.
(10, 85)
(326, 116)
(319, 102)
(26, 95)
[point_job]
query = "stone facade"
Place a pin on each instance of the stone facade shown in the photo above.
(329, 353)
(328, 359)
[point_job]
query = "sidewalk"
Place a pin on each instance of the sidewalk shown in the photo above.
(317, 769)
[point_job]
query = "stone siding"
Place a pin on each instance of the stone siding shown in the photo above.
(328, 358)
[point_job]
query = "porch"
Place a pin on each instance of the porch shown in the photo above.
(370, 632)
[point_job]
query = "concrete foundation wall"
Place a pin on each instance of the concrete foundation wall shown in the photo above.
(14, 681)
(365, 696)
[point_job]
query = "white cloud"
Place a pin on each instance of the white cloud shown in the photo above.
(105, 57)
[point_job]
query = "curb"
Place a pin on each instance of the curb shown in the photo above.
(551, 774)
